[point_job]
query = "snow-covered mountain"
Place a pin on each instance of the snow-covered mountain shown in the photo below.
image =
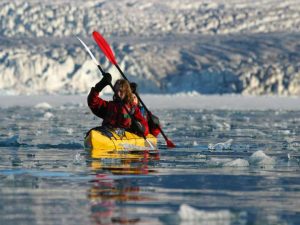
(236, 46)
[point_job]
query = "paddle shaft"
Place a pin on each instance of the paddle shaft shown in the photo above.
(140, 100)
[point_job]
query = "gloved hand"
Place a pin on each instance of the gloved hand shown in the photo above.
(106, 80)
(138, 127)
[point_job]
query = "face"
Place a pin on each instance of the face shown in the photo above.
(123, 91)
(120, 93)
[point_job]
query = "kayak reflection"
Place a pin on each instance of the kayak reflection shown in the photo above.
(112, 189)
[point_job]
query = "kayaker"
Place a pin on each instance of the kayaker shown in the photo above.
(153, 122)
(113, 112)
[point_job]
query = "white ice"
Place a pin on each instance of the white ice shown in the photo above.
(195, 216)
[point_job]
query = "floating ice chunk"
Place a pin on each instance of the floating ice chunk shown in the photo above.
(221, 146)
(223, 126)
(67, 130)
(77, 158)
(43, 105)
(199, 156)
(217, 162)
(237, 163)
(259, 158)
(70, 130)
(48, 115)
(221, 217)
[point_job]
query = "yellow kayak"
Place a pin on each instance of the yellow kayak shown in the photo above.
(128, 153)
(104, 139)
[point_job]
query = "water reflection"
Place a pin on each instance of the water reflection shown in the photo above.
(114, 186)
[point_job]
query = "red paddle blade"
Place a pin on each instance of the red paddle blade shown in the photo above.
(104, 46)
(170, 144)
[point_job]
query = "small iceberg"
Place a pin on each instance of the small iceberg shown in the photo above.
(43, 105)
(48, 115)
(237, 163)
(221, 146)
(259, 158)
(190, 214)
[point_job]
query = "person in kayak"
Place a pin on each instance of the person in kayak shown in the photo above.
(153, 122)
(113, 112)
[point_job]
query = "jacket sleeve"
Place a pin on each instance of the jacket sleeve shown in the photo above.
(139, 117)
(97, 104)
(154, 125)
(155, 131)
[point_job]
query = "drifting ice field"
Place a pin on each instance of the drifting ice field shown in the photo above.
(236, 166)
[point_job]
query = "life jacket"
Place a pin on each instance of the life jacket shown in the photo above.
(117, 115)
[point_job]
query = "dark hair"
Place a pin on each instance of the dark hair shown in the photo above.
(124, 86)
(134, 87)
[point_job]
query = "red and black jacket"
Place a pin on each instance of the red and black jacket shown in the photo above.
(113, 113)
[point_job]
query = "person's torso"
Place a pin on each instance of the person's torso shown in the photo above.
(117, 115)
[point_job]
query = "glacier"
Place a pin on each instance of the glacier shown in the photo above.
(222, 47)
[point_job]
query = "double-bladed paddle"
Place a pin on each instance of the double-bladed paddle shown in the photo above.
(104, 46)
(102, 71)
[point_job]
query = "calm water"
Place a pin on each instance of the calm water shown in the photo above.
(230, 167)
